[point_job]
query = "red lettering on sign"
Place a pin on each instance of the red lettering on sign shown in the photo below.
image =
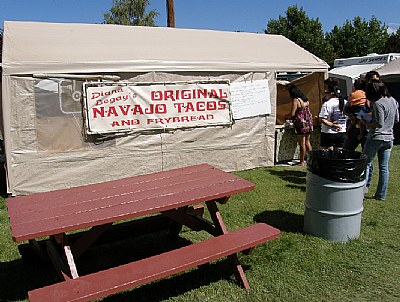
(211, 105)
(137, 109)
(178, 106)
(156, 95)
(187, 94)
(222, 105)
(112, 111)
(130, 122)
(98, 111)
(97, 94)
(189, 107)
(201, 93)
(169, 94)
(200, 106)
(213, 94)
(223, 94)
(124, 109)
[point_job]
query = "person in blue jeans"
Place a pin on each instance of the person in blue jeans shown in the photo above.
(385, 113)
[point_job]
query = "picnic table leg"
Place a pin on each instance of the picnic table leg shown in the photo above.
(239, 272)
(177, 223)
(221, 229)
(37, 249)
(216, 217)
(59, 265)
(175, 227)
(88, 239)
(61, 240)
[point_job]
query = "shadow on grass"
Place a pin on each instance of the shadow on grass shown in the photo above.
(285, 221)
(20, 276)
(13, 282)
(180, 284)
(296, 179)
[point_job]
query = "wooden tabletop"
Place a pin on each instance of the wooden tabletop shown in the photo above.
(60, 211)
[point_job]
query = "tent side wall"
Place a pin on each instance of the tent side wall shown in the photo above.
(42, 159)
(3, 177)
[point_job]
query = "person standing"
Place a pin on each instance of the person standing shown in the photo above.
(372, 75)
(369, 76)
(333, 127)
(385, 113)
(302, 119)
(356, 131)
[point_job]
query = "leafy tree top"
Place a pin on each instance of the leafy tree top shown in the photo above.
(302, 30)
(358, 37)
(131, 12)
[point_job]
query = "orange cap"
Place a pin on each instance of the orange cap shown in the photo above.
(357, 98)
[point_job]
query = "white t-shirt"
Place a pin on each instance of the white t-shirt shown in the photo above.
(331, 112)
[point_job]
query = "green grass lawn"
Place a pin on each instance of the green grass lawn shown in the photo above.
(294, 267)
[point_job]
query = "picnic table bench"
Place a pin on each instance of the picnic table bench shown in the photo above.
(174, 194)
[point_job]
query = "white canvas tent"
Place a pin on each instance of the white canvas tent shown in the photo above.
(43, 63)
(390, 72)
(349, 69)
(349, 73)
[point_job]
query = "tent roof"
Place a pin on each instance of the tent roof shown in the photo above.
(391, 68)
(35, 47)
(353, 71)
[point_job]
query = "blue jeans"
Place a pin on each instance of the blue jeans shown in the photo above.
(383, 148)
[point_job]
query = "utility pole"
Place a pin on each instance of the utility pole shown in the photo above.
(170, 13)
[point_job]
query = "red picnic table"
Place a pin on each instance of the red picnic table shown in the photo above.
(174, 194)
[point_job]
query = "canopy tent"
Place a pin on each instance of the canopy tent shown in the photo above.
(390, 72)
(348, 69)
(43, 124)
(349, 73)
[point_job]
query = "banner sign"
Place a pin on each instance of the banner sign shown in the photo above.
(118, 107)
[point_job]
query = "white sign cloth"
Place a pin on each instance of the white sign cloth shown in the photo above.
(250, 99)
(123, 107)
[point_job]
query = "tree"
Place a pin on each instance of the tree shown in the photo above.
(131, 12)
(393, 42)
(302, 30)
(358, 38)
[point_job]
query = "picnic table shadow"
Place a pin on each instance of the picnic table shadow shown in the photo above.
(29, 272)
(13, 282)
(284, 221)
(294, 178)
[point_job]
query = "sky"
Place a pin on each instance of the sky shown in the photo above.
(227, 15)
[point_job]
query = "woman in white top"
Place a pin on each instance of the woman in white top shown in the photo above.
(333, 120)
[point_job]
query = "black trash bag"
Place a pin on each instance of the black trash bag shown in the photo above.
(337, 165)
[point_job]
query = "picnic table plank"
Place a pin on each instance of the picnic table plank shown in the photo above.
(63, 196)
(98, 199)
(103, 283)
(43, 222)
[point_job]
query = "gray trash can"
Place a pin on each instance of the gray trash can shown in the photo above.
(334, 194)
